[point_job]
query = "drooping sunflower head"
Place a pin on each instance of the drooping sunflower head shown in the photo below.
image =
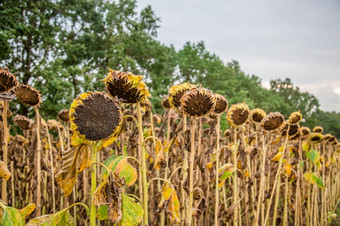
(198, 102)
(238, 114)
(257, 114)
(293, 130)
(127, 87)
(315, 137)
(295, 136)
(221, 104)
(317, 129)
(95, 116)
(165, 102)
(304, 131)
(295, 118)
(64, 115)
(327, 137)
(272, 121)
(23, 122)
(176, 92)
(7, 80)
(28, 95)
(331, 139)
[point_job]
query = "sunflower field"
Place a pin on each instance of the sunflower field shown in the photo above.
(109, 160)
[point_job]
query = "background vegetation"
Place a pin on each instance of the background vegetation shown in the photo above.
(63, 47)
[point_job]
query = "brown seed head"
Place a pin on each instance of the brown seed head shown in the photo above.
(64, 115)
(165, 102)
(7, 80)
(176, 92)
(257, 114)
(295, 118)
(28, 95)
(221, 104)
(315, 137)
(23, 122)
(272, 121)
(238, 114)
(198, 102)
(317, 129)
(304, 131)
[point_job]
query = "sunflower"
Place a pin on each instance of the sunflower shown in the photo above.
(221, 104)
(198, 102)
(327, 136)
(7, 80)
(165, 102)
(23, 122)
(127, 87)
(238, 114)
(95, 116)
(176, 92)
(272, 121)
(257, 114)
(28, 95)
(315, 137)
(295, 118)
(304, 131)
(64, 115)
(317, 129)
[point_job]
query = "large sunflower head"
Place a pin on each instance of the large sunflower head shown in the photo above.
(221, 104)
(64, 115)
(317, 129)
(127, 87)
(176, 92)
(295, 118)
(238, 114)
(257, 114)
(272, 121)
(7, 80)
(28, 95)
(95, 116)
(198, 102)
(23, 122)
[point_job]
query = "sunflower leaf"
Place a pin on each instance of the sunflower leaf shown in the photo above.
(4, 172)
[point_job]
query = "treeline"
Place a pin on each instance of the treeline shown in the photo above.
(63, 47)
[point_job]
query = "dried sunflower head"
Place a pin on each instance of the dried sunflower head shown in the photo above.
(28, 95)
(293, 129)
(272, 121)
(304, 131)
(198, 102)
(7, 80)
(295, 136)
(127, 87)
(257, 114)
(95, 116)
(176, 92)
(221, 104)
(165, 102)
(64, 115)
(238, 114)
(327, 137)
(315, 137)
(23, 122)
(331, 139)
(295, 118)
(317, 129)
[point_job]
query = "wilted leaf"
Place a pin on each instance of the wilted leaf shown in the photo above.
(11, 216)
(74, 161)
(27, 210)
(61, 218)
(100, 196)
(313, 155)
(226, 170)
(169, 194)
(102, 213)
(159, 156)
(132, 212)
(4, 173)
(288, 169)
(120, 167)
(305, 146)
(277, 157)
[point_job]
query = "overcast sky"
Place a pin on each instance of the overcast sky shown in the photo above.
(299, 39)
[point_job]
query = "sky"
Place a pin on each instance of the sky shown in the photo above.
(299, 39)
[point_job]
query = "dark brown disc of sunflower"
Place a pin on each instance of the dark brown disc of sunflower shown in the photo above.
(295, 136)
(176, 93)
(23, 122)
(95, 116)
(198, 102)
(331, 139)
(315, 137)
(221, 104)
(295, 118)
(7, 80)
(28, 95)
(273, 121)
(304, 131)
(257, 114)
(327, 136)
(127, 87)
(165, 102)
(238, 114)
(64, 115)
(317, 129)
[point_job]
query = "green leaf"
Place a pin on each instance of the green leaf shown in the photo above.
(12, 217)
(302, 164)
(61, 218)
(119, 166)
(313, 155)
(102, 213)
(132, 212)
(305, 146)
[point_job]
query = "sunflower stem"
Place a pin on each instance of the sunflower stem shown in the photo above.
(191, 170)
(235, 190)
(4, 149)
(93, 183)
(143, 156)
(38, 162)
(217, 167)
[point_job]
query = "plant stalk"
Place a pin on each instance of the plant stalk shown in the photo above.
(38, 162)
(93, 183)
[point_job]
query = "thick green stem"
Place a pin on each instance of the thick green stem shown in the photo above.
(217, 167)
(191, 171)
(143, 161)
(93, 183)
(4, 149)
(38, 162)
